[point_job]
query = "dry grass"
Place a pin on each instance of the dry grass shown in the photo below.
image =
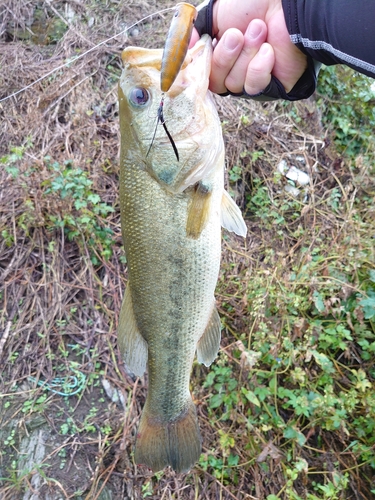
(60, 298)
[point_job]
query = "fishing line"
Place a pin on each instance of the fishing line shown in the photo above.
(153, 137)
(76, 58)
(160, 119)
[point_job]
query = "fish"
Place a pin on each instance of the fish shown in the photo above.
(171, 217)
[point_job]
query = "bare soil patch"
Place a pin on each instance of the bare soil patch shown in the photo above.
(63, 386)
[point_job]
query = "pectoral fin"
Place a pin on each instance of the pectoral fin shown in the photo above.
(231, 217)
(209, 344)
(199, 210)
(133, 346)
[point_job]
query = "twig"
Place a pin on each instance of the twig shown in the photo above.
(4, 337)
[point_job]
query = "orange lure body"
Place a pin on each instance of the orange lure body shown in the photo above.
(177, 43)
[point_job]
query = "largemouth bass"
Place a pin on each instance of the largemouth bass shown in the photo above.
(171, 217)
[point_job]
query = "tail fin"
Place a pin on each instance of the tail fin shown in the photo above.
(176, 443)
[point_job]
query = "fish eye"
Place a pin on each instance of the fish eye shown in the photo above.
(139, 96)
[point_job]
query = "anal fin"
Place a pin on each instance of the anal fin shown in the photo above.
(209, 344)
(133, 346)
(231, 216)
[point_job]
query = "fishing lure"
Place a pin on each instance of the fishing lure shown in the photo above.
(175, 50)
(177, 43)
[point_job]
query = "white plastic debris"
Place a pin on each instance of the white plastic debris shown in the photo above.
(114, 394)
(282, 167)
(296, 175)
(293, 173)
(292, 190)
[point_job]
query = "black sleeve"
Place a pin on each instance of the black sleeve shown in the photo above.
(334, 31)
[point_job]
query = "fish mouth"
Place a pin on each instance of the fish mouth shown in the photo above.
(197, 66)
(189, 93)
(202, 47)
(184, 106)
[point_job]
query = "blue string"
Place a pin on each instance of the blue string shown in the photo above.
(78, 381)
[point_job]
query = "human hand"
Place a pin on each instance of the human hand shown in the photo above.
(253, 43)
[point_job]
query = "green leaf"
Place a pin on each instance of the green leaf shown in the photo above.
(323, 361)
(292, 433)
(64, 429)
(318, 301)
(80, 204)
(94, 198)
(216, 400)
(233, 460)
(262, 391)
(368, 305)
(250, 396)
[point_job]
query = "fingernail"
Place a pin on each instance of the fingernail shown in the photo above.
(230, 41)
(254, 29)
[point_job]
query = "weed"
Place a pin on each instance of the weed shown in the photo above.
(8, 237)
(235, 173)
(10, 440)
(82, 221)
(309, 350)
(147, 489)
(223, 468)
(12, 160)
(348, 114)
(13, 357)
(34, 405)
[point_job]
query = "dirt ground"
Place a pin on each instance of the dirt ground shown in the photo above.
(69, 410)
